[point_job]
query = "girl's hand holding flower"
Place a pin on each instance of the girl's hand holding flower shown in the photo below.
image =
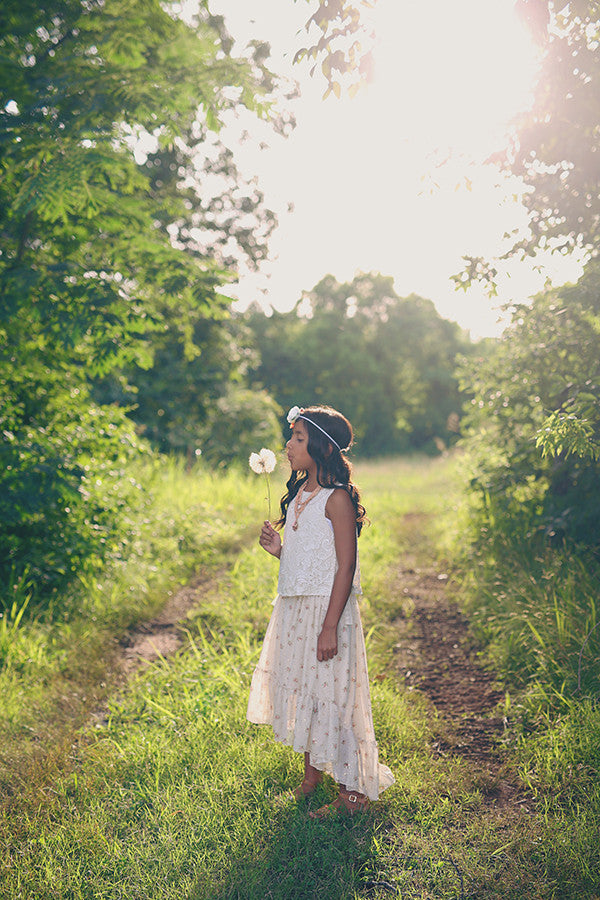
(270, 540)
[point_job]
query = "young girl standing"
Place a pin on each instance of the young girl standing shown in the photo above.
(311, 682)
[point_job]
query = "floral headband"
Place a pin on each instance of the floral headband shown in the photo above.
(297, 413)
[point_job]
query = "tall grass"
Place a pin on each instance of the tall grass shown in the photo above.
(13, 648)
(176, 795)
(55, 658)
(533, 605)
(535, 608)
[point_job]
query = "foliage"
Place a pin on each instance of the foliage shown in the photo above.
(241, 420)
(198, 402)
(386, 362)
(63, 485)
(203, 202)
(92, 264)
(545, 369)
(562, 434)
(341, 44)
(79, 218)
(556, 144)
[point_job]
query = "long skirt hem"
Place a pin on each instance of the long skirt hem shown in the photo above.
(322, 708)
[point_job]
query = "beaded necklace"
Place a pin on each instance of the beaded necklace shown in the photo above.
(299, 505)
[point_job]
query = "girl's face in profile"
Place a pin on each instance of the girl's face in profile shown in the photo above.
(297, 448)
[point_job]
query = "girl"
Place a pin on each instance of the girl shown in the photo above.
(311, 683)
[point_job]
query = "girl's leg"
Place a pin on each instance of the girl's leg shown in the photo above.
(312, 775)
(311, 779)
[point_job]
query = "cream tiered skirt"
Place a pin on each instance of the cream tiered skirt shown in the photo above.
(320, 707)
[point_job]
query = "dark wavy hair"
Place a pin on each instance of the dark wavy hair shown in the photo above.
(333, 469)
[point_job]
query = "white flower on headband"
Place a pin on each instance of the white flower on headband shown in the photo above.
(264, 461)
(296, 412)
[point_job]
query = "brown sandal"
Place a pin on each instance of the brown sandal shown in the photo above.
(347, 803)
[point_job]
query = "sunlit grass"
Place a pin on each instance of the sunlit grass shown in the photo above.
(55, 661)
(175, 795)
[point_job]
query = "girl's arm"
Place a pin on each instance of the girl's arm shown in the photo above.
(270, 540)
(340, 511)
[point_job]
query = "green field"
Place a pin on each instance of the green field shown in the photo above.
(173, 794)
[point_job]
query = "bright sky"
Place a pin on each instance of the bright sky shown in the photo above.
(361, 172)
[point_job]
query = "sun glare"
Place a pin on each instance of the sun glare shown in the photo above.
(393, 180)
(452, 74)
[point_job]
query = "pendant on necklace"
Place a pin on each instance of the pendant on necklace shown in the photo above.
(300, 505)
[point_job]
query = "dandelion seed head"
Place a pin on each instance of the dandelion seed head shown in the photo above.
(263, 462)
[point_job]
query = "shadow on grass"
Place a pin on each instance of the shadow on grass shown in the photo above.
(293, 857)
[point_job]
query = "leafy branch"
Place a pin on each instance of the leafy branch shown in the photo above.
(341, 45)
(565, 434)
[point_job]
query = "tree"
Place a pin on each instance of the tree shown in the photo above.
(79, 217)
(106, 263)
(555, 151)
(387, 362)
(556, 145)
(539, 386)
(193, 362)
(88, 271)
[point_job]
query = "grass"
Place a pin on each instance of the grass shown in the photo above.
(174, 796)
(532, 601)
(55, 661)
(536, 609)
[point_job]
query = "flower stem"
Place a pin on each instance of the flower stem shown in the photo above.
(268, 494)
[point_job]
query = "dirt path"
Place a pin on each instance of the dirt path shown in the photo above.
(434, 654)
(164, 634)
(158, 638)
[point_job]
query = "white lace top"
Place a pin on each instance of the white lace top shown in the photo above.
(308, 562)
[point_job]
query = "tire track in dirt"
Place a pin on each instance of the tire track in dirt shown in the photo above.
(162, 635)
(84, 702)
(434, 654)
(157, 638)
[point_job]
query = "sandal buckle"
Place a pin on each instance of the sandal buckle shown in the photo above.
(353, 798)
